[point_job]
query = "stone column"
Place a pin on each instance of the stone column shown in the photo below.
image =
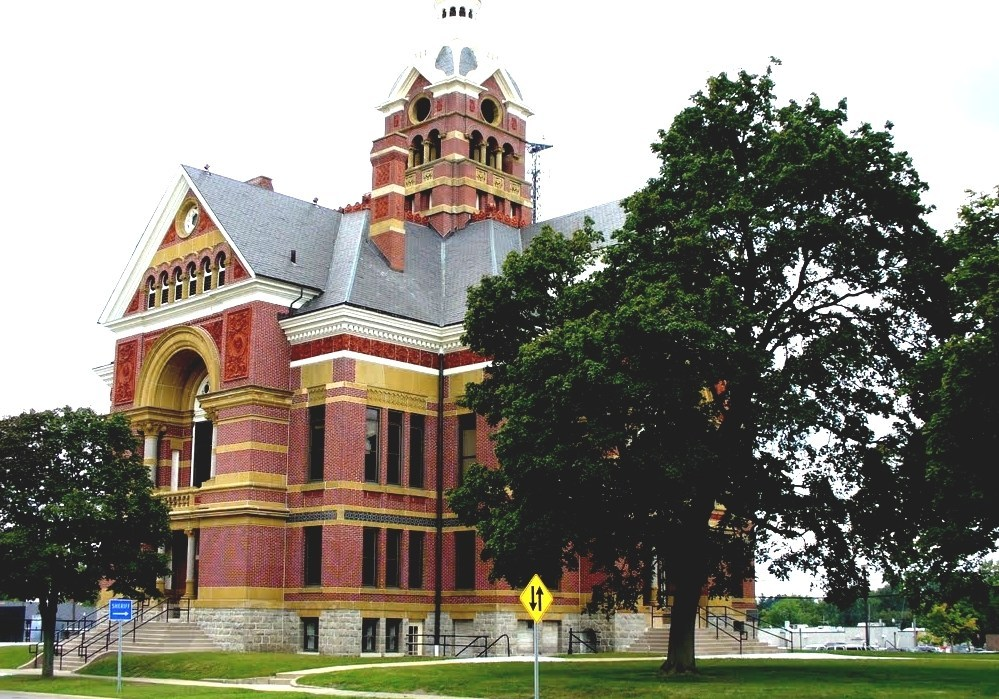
(189, 583)
(174, 469)
(150, 451)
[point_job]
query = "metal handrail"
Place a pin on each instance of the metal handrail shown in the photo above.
(485, 651)
(579, 640)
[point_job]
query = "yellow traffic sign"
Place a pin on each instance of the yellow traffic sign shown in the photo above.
(536, 598)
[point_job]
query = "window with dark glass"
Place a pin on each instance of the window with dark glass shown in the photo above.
(464, 560)
(164, 288)
(313, 555)
(369, 557)
(151, 292)
(178, 284)
(206, 275)
(393, 558)
(393, 468)
(371, 445)
(393, 629)
(220, 268)
(416, 429)
(369, 635)
(192, 280)
(466, 443)
(310, 634)
(317, 441)
(416, 554)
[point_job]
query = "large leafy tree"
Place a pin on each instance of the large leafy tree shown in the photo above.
(76, 510)
(731, 346)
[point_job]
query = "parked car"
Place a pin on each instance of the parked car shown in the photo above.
(835, 645)
(925, 648)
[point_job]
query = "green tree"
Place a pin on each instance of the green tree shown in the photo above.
(950, 624)
(955, 394)
(76, 510)
(797, 610)
(731, 346)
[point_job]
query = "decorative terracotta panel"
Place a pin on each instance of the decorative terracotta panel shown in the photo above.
(124, 371)
(237, 345)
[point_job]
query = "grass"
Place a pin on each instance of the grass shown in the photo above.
(908, 676)
(14, 656)
(221, 666)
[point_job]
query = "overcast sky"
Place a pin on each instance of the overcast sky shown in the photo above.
(103, 101)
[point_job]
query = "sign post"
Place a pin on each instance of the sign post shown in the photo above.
(119, 610)
(536, 599)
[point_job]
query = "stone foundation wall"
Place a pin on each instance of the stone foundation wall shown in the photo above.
(340, 632)
(272, 630)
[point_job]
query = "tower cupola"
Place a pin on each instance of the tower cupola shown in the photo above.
(455, 138)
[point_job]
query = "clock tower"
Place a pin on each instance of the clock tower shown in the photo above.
(455, 141)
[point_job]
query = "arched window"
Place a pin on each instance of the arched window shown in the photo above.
(470, 14)
(475, 149)
(178, 284)
(164, 288)
(444, 13)
(454, 12)
(202, 441)
(192, 280)
(492, 148)
(206, 275)
(220, 268)
(461, 12)
(151, 292)
(416, 149)
(434, 140)
(507, 159)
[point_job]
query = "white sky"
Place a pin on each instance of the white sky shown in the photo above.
(102, 101)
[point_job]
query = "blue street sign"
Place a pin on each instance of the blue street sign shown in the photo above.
(120, 610)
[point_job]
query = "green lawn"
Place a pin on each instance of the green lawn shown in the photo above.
(912, 676)
(13, 656)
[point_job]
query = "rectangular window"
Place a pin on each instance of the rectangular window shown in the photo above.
(310, 634)
(466, 443)
(313, 555)
(464, 560)
(393, 558)
(369, 558)
(369, 635)
(416, 429)
(416, 554)
(393, 469)
(393, 629)
(317, 441)
(371, 445)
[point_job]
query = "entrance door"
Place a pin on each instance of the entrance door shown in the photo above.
(414, 639)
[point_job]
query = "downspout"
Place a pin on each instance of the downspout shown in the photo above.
(439, 533)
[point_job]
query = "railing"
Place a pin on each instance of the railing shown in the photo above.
(92, 636)
(457, 645)
(588, 640)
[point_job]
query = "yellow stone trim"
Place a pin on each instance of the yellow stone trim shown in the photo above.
(150, 393)
(229, 515)
(387, 189)
(245, 479)
(252, 445)
(246, 396)
(390, 149)
(390, 224)
(187, 246)
(239, 594)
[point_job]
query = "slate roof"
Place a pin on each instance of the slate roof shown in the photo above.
(335, 256)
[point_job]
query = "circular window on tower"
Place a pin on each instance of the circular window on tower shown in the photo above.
(420, 110)
(187, 218)
(490, 111)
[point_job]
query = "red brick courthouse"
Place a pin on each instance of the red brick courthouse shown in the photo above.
(294, 372)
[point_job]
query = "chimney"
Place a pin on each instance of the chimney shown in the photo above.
(262, 181)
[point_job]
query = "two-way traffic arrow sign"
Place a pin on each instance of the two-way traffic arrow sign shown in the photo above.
(536, 598)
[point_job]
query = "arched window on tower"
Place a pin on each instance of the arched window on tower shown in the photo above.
(220, 268)
(434, 141)
(508, 158)
(492, 153)
(164, 288)
(178, 284)
(444, 13)
(151, 292)
(454, 12)
(475, 147)
(416, 151)
(470, 13)
(461, 12)
(192, 280)
(206, 275)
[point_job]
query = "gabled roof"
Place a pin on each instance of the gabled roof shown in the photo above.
(336, 260)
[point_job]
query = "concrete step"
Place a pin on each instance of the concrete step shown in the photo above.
(706, 642)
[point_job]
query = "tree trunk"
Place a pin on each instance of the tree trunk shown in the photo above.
(48, 607)
(683, 621)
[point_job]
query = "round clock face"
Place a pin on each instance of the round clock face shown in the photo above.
(190, 220)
